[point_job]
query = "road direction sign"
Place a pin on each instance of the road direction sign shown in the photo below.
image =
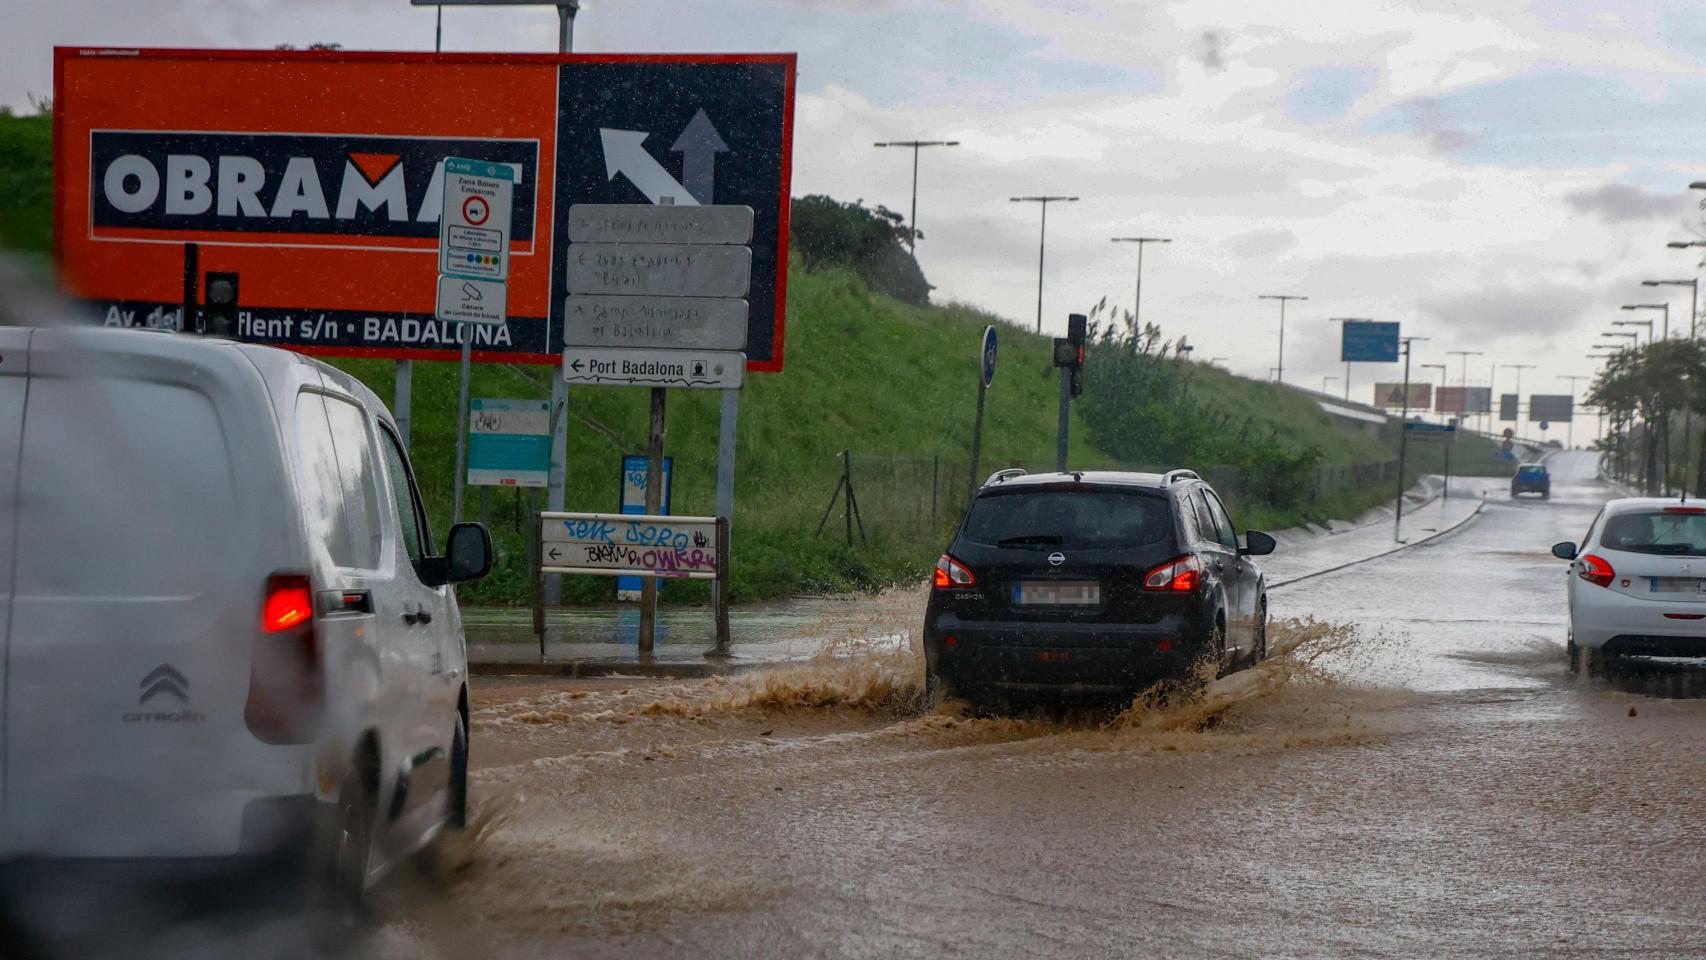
(617, 367)
(466, 300)
(473, 238)
(646, 223)
(1369, 341)
(1507, 406)
(632, 545)
(1419, 430)
(1463, 400)
(509, 443)
(1551, 407)
(987, 356)
(1391, 395)
(702, 323)
(659, 269)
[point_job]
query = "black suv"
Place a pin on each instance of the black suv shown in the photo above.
(1092, 583)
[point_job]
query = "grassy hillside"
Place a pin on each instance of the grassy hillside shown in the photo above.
(894, 384)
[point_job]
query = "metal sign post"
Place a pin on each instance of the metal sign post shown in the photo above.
(473, 265)
(986, 376)
(1403, 440)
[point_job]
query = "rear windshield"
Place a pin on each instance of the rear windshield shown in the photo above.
(1533, 471)
(1659, 532)
(1069, 518)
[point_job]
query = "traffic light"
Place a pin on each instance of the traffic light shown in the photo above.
(1069, 350)
(219, 313)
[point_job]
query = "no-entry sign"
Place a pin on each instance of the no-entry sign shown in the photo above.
(318, 176)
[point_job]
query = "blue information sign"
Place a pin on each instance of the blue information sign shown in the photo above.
(635, 468)
(988, 355)
(1369, 341)
(509, 443)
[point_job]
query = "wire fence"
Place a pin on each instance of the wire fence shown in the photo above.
(899, 494)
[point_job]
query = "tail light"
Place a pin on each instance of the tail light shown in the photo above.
(952, 574)
(1175, 576)
(1596, 571)
(287, 685)
(1685, 509)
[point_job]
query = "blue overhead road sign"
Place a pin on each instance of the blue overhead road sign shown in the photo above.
(1369, 341)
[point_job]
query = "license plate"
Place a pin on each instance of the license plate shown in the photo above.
(1057, 593)
(1677, 585)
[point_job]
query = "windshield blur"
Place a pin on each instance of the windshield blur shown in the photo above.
(1673, 533)
(1072, 518)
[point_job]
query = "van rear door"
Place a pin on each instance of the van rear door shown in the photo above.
(151, 508)
(14, 383)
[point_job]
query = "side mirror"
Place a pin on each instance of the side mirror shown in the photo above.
(1257, 544)
(467, 556)
(1564, 551)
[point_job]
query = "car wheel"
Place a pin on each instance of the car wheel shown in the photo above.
(352, 847)
(458, 818)
(937, 689)
(1262, 631)
(1217, 647)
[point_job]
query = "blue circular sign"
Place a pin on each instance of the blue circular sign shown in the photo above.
(1545, 425)
(988, 358)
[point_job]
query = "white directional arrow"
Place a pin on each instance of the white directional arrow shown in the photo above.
(699, 145)
(625, 153)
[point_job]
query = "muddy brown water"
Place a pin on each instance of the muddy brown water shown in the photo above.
(1412, 774)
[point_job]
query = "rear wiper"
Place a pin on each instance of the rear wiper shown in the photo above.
(1037, 538)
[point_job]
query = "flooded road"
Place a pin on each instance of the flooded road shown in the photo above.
(1412, 774)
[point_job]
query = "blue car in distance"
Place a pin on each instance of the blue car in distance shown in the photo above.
(1532, 478)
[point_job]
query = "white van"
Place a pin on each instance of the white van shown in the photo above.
(224, 628)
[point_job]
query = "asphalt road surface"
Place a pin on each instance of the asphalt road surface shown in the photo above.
(1414, 774)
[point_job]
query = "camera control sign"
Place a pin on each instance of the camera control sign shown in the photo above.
(320, 178)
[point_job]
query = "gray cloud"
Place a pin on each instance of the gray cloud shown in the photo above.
(1620, 203)
(1504, 309)
(1262, 243)
(1211, 50)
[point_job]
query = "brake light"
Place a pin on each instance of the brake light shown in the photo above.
(1685, 509)
(952, 574)
(289, 603)
(1596, 571)
(286, 680)
(1175, 576)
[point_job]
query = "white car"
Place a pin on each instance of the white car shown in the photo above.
(1637, 582)
(224, 629)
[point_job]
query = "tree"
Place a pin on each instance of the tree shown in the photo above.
(828, 233)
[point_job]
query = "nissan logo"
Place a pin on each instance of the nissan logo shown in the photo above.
(1056, 559)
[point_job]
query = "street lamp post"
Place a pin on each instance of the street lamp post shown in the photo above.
(1042, 243)
(1570, 425)
(1653, 306)
(1693, 300)
(1137, 301)
(1279, 375)
(1636, 323)
(1403, 440)
(916, 145)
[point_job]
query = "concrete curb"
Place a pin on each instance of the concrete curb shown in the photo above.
(1401, 547)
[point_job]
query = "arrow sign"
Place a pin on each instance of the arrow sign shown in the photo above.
(699, 145)
(625, 153)
(556, 554)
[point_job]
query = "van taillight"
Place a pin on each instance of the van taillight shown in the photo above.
(286, 682)
(1175, 576)
(1596, 571)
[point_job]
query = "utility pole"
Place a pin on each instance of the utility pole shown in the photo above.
(1653, 306)
(916, 145)
(1042, 244)
(557, 478)
(1570, 425)
(1279, 375)
(1463, 378)
(1137, 300)
(1403, 440)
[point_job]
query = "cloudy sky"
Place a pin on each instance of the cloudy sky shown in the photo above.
(1496, 175)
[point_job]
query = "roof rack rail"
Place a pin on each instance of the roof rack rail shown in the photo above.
(1173, 476)
(1002, 476)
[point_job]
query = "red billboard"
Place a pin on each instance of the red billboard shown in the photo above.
(318, 176)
